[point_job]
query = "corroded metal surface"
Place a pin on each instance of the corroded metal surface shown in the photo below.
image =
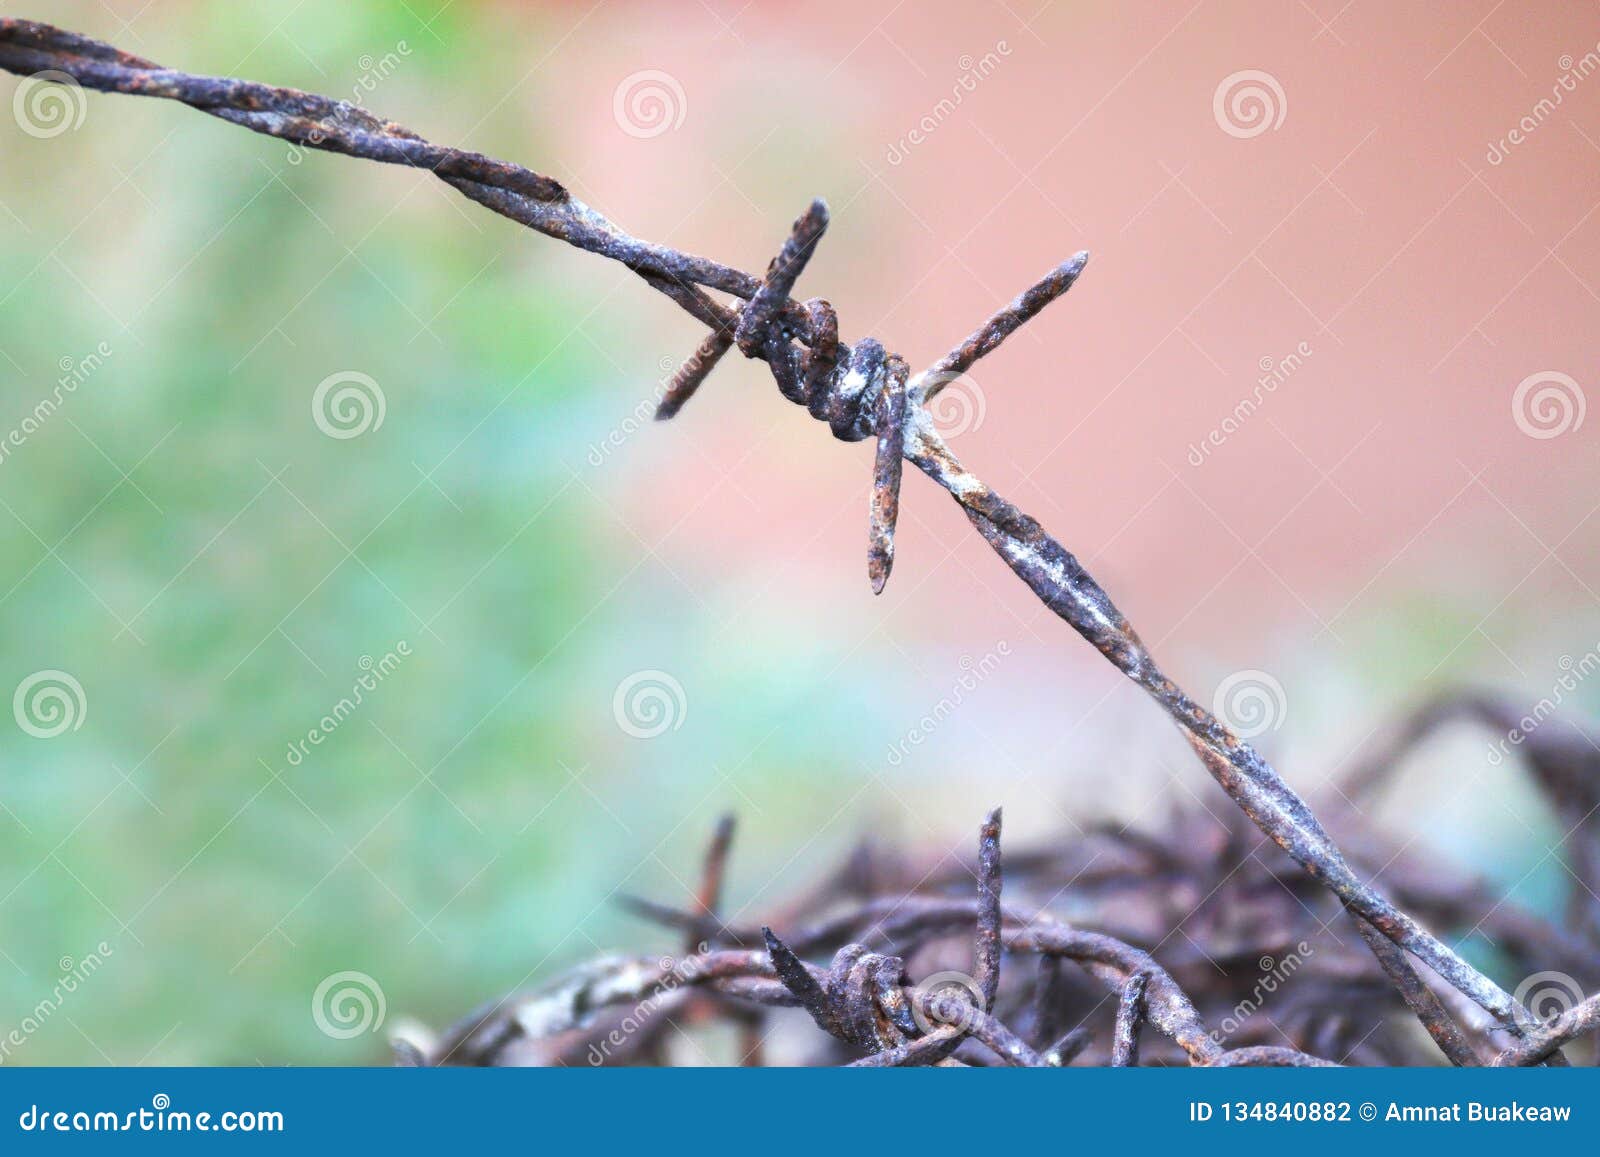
(894, 1003)
(1130, 1019)
(861, 391)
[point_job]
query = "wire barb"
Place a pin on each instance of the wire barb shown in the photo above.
(987, 337)
(797, 978)
(986, 971)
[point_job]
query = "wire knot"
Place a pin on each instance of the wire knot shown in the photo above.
(861, 999)
(859, 391)
(867, 993)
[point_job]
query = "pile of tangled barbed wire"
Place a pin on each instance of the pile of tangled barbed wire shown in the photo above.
(1196, 942)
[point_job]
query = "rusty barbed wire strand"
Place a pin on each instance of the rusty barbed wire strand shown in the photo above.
(1049, 997)
(860, 390)
(1130, 1019)
(1270, 1056)
(708, 900)
(1543, 1043)
(1419, 998)
(1066, 1050)
(864, 998)
(986, 965)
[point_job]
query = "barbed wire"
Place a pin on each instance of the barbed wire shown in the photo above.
(1238, 926)
(861, 391)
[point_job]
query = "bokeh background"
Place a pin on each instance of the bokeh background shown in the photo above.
(555, 578)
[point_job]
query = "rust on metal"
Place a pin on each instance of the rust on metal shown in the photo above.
(858, 389)
(1130, 1019)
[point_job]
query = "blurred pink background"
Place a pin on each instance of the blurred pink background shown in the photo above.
(1381, 519)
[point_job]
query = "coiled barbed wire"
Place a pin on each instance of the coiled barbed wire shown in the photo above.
(864, 999)
(885, 919)
(836, 387)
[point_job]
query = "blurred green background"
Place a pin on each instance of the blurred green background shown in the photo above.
(217, 572)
